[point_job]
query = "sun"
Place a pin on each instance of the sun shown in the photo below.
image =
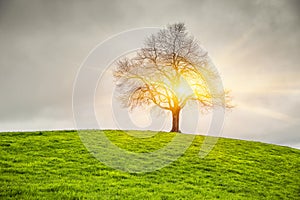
(183, 89)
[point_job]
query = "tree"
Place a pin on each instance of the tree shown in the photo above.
(170, 70)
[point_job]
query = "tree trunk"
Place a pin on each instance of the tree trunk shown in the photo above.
(175, 121)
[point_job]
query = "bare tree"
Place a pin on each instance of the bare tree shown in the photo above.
(170, 70)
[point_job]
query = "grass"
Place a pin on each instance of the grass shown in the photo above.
(56, 165)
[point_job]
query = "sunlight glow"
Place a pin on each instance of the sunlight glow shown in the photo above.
(183, 89)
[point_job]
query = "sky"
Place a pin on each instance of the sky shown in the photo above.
(254, 44)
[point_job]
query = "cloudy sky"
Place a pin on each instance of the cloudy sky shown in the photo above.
(254, 44)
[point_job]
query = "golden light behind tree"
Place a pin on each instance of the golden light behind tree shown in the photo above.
(169, 71)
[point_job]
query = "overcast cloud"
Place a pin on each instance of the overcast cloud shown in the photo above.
(254, 44)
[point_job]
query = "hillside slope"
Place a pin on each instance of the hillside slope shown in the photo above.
(56, 165)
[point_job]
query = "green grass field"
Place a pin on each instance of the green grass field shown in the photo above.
(56, 165)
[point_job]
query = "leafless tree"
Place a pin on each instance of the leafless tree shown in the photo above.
(170, 70)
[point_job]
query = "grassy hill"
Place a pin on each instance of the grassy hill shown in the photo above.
(56, 165)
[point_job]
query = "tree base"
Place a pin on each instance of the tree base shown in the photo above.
(175, 131)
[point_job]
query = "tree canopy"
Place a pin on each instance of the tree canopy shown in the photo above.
(170, 70)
